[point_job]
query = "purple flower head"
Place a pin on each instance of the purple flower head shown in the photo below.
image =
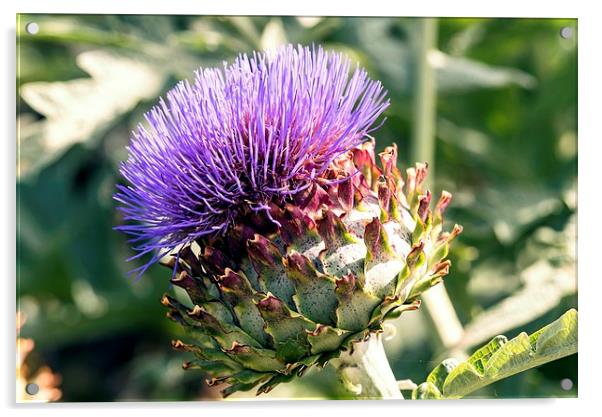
(254, 132)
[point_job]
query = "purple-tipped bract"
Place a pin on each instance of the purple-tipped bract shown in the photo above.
(257, 131)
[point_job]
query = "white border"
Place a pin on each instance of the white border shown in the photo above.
(590, 94)
(465, 8)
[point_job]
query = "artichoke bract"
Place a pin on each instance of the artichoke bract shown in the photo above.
(260, 187)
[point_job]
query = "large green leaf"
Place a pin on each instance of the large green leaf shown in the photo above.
(546, 282)
(392, 57)
(501, 358)
(77, 111)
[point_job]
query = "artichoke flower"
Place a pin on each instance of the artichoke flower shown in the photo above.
(259, 186)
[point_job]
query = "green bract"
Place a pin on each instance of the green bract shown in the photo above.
(277, 295)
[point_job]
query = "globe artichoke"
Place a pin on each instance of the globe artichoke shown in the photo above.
(260, 187)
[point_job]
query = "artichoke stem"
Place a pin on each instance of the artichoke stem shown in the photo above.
(366, 372)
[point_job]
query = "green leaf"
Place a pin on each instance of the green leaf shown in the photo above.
(500, 359)
(393, 58)
(77, 111)
(440, 373)
(426, 391)
(546, 282)
(545, 286)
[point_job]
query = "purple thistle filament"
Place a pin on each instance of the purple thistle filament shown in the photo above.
(257, 131)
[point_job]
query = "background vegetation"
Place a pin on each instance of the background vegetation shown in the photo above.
(506, 147)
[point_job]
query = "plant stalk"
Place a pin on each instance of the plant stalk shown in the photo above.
(436, 300)
(366, 371)
(422, 147)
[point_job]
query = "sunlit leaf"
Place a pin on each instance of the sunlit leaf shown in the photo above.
(545, 283)
(394, 58)
(273, 35)
(461, 74)
(500, 359)
(77, 110)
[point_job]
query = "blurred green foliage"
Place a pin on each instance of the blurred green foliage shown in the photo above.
(506, 148)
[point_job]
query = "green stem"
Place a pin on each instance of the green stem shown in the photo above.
(436, 300)
(366, 371)
(425, 94)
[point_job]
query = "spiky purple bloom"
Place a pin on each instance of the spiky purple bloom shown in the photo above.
(260, 130)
